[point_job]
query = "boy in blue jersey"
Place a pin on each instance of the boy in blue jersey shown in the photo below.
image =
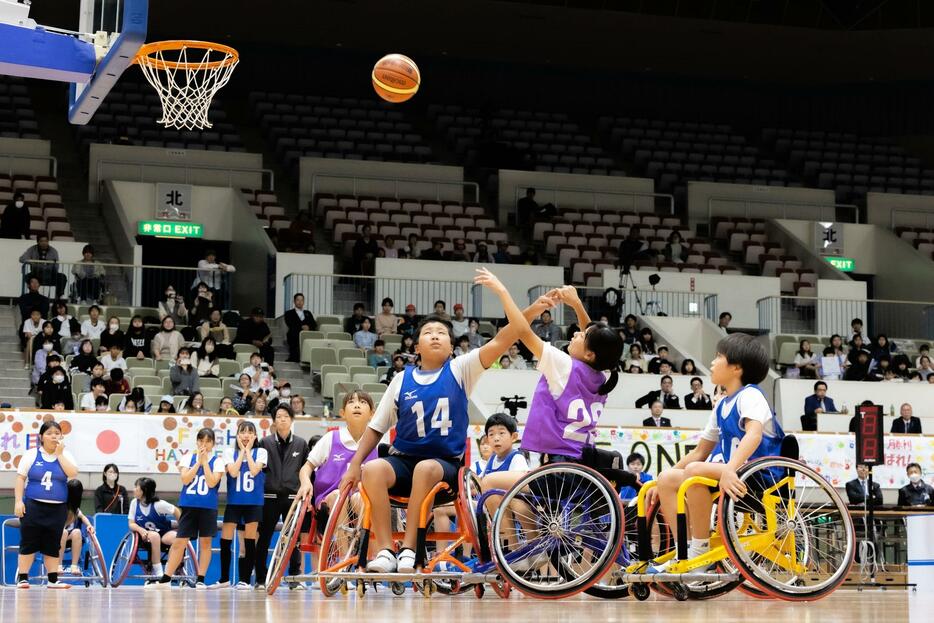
(501, 434)
(428, 406)
(741, 427)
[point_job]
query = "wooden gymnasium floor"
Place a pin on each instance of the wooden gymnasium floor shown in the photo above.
(133, 605)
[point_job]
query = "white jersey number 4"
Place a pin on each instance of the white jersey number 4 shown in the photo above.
(46, 481)
(440, 419)
(580, 418)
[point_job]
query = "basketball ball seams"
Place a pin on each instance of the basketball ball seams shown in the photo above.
(395, 78)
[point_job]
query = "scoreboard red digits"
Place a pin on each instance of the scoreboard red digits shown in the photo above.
(869, 430)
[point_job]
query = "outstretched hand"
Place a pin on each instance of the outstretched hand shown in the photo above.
(488, 280)
(567, 294)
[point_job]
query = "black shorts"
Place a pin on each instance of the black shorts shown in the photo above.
(242, 514)
(41, 528)
(404, 467)
(197, 522)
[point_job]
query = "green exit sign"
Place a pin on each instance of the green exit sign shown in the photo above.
(846, 264)
(171, 229)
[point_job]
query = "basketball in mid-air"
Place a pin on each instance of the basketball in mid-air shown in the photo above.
(396, 78)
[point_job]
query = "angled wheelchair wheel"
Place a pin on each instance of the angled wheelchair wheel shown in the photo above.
(124, 558)
(96, 569)
(480, 524)
(288, 537)
(188, 572)
(557, 531)
(340, 543)
(791, 535)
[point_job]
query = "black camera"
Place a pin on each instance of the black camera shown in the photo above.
(512, 404)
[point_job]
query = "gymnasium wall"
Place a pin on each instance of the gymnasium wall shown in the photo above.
(11, 147)
(890, 210)
(11, 277)
(380, 179)
(308, 264)
(252, 252)
(768, 202)
(184, 166)
(568, 190)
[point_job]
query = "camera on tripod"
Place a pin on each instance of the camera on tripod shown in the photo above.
(512, 404)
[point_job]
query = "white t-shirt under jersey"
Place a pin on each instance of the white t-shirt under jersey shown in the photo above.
(262, 457)
(29, 457)
(555, 365)
(466, 370)
(320, 454)
(162, 508)
(517, 464)
(752, 406)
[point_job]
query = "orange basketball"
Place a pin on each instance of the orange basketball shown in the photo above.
(396, 78)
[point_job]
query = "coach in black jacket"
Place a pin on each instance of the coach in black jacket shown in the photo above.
(666, 394)
(287, 453)
(298, 319)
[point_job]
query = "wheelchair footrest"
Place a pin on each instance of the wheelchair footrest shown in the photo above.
(655, 578)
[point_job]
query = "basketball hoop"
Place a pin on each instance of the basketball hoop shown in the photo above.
(186, 75)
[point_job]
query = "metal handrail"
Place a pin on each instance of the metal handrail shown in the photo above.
(187, 168)
(593, 193)
(113, 265)
(785, 204)
(52, 160)
(824, 299)
(396, 181)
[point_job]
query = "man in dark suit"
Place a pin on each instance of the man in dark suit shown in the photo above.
(816, 403)
(666, 394)
(857, 488)
(657, 419)
(907, 423)
(298, 319)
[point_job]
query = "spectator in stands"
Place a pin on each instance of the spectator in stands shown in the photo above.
(688, 368)
(32, 326)
(398, 366)
(900, 364)
(166, 405)
(856, 328)
(675, 250)
(202, 305)
(195, 404)
(262, 375)
(297, 319)
(656, 419)
(364, 252)
(482, 255)
(441, 310)
(855, 346)
(907, 423)
(545, 328)
(697, 400)
(89, 400)
(661, 356)
(474, 338)
(89, 276)
(411, 248)
(806, 362)
(42, 261)
(211, 273)
(859, 367)
(15, 221)
(113, 335)
(43, 377)
(647, 341)
(57, 389)
(215, 328)
(167, 341)
(409, 322)
(387, 322)
(502, 255)
(462, 346)
(116, 384)
(297, 403)
(916, 492)
(666, 394)
(114, 359)
(226, 404)
(137, 341)
(833, 352)
(93, 327)
(379, 356)
(260, 407)
(459, 322)
(434, 253)
(205, 360)
(41, 341)
(879, 368)
(174, 307)
(352, 323)
(723, 323)
(243, 400)
(459, 252)
(882, 346)
(925, 369)
(407, 350)
(857, 490)
(97, 372)
(636, 359)
(33, 299)
(256, 332)
(300, 235)
(183, 375)
(815, 404)
(111, 497)
(630, 330)
(388, 247)
(526, 208)
(364, 339)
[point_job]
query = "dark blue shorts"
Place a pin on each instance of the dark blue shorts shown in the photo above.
(404, 467)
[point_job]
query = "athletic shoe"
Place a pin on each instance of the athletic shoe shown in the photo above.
(23, 584)
(58, 585)
(218, 585)
(260, 587)
(157, 585)
(530, 563)
(297, 586)
(384, 562)
(243, 586)
(200, 586)
(406, 560)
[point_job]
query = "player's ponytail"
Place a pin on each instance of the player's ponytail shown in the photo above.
(607, 347)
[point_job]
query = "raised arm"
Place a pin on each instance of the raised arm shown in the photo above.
(518, 327)
(568, 295)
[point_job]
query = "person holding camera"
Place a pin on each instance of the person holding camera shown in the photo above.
(174, 307)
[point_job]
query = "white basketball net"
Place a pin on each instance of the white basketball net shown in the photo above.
(186, 79)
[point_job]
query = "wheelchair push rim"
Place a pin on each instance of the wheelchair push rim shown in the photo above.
(341, 541)
(288, 537)
(125, 555)
(802, 544)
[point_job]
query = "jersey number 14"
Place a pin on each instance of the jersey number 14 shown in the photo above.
(440, 419)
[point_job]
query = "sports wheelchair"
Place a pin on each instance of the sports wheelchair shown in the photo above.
(134, 552)
(90, 561)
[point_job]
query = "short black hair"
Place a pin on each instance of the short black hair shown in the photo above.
(297, 294)
(96, 382)
(500, 419)
(818, 384)
(443, 304)
(379, 343)
(910, 465)
(387, 301)
(357, 306)
(116, 375)
(635, 456)
(93, 307)
(745, 351)
(856, 321)
(662, 380)
(726, 315)
(430, 318)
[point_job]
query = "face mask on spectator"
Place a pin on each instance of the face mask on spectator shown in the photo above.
(914, 478)
(47, 347)
(20, 204)
(114, 326)
(111, 478)
(285, 393)
(58, 378)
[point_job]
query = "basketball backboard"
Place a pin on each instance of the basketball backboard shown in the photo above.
(92, 58)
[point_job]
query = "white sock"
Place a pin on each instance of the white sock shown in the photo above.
(158, 570)
(698, 547)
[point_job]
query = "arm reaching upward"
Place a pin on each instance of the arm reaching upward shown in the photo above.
(518, 326)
